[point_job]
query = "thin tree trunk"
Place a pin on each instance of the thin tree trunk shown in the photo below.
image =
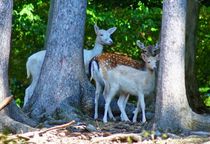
(63, 90)
(194, 99)
(172, 108)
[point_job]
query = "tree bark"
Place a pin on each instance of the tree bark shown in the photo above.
(5, 29)
(193, 97)
(9, 124)
(63, 90)
(172, 108)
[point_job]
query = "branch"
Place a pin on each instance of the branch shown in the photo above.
(32, 134)
(57, 127)
(5, 102)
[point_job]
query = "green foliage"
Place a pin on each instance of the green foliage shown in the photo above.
(112, 4)
(202, 56)
(207, 100)
(205, 93)
(132, 24)
(28, 31)
(203, 49)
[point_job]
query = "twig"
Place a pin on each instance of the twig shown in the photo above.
(5, 102)
(31, 134)
(121, 137)
(57, 127)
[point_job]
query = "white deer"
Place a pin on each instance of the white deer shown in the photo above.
(110, 61)
(35, 61)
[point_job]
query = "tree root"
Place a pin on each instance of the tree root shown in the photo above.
(12, 125)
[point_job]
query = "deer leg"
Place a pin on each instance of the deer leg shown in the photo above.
(121, 104)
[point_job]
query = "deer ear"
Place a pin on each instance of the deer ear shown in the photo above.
(157, 46)
(144, 57)
(156, 49)
(96, 28)
(112, 30)
(140, 44)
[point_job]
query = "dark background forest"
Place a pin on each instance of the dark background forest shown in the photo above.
(134, 20)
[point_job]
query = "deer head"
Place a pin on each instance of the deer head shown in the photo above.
(148, 50)
(150, 61)
(104, 36)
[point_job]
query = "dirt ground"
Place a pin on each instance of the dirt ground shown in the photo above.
(95, 132)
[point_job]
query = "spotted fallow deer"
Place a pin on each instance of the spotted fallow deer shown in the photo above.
(109, 61)
(35, 61)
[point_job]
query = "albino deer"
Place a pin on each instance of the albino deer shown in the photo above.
(33, 68)
(103, 37)
(35, 61)
(109, 61)
(124, 79)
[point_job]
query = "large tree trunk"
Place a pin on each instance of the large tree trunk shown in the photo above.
(172, 108)
(194, 99)
(63, 90)
(5, 30)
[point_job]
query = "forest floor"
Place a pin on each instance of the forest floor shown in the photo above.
(95, 132)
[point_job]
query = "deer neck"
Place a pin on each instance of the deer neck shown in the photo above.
(150, 77)
(150, 72)
(98, 49)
